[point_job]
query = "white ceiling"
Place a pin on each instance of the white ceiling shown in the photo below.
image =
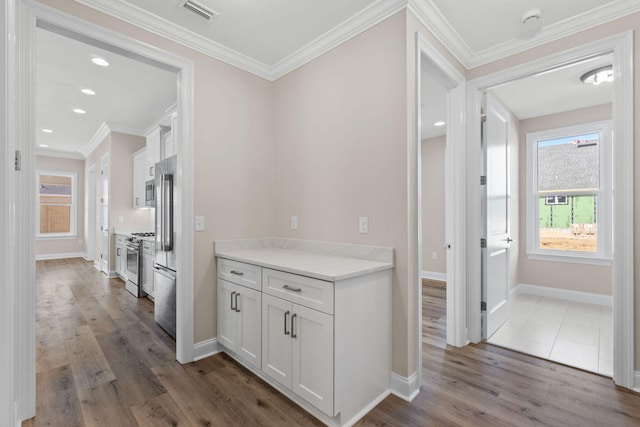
(275, 37)
(130, 95)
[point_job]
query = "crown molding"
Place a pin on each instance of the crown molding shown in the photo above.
(351, 27)
(139, 17)
(102, 132)
(74, 155)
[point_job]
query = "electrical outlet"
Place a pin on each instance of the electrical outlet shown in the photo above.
(120, 219)
(434, 255)
(294, 222)
(364, 224)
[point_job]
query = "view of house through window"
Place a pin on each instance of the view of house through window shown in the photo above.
(568, 181)
(56, 204)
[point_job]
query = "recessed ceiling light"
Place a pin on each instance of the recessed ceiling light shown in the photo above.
(440, 123)
(100, 61)
(44, 146)
(47, 131)
(79, 111)
(531, 16)
(88, 91)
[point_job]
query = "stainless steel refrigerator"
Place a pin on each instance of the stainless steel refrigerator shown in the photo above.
(164, 267)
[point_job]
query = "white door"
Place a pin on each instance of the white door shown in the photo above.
(226, 314)
(312, 337)
(249, 314)
(495, 257)
(104, 214)
(276, 339)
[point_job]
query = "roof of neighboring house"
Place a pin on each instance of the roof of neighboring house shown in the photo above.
(568, 166)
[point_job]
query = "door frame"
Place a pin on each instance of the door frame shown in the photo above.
(104, 161)
(621, 47)
(90, 213)
(22, 77)
(454, 201)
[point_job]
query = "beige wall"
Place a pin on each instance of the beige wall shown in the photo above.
(631, 22)
(341, 152)
(48, 247)
(575, 277)
(433, 220)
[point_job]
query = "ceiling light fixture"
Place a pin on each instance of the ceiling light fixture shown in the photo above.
(79, 111)
(200, 9)
(44, 145)
(439, 123)
(599, 75)
(47, 131)
(88, 91)
(100, 61)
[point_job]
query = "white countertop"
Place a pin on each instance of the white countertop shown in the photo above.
(312, 264)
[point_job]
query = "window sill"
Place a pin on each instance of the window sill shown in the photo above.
(57, 237)
(573, 259)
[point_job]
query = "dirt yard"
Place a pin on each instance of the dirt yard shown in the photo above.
(554, 238)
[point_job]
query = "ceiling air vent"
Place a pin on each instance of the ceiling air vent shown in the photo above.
(200, 9)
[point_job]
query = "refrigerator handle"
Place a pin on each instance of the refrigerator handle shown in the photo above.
(160, 212)
(167, 232)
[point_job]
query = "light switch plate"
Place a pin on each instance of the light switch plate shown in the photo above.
(364, 225)
(294, 222)
(199, 223)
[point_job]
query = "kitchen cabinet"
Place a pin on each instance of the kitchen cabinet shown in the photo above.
(121, 257)
(148, 256)
(239, 329)
(170, 137)
(154, 152)
(139, 169)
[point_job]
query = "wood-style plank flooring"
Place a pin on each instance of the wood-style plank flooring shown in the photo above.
(102, 361)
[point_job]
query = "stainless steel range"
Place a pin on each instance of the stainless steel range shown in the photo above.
(133, 244)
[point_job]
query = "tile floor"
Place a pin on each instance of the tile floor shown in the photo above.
(573, 333)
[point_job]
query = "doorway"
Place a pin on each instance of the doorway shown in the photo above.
(621, 276)
(91, 217)
(104, 214)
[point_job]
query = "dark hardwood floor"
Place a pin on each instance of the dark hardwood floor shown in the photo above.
(102, 361)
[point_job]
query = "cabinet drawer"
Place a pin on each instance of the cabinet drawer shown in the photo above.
(148, 248)
(248, 275)
(120, 239)
(313, 293)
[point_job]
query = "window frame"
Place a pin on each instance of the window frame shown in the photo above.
(73, 217)
(603, 196)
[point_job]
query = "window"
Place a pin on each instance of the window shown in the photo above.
(569, 193)
(56, 204)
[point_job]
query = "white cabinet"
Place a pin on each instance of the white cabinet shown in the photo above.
(121, 257)
(239, 330)
(148, 256)
(170, 137)
(153, 149)
(139, 169)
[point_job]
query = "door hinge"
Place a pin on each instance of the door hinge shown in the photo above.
(18, 161)
(483, 306)
(483, 117)
(483, 180)
(483, 243)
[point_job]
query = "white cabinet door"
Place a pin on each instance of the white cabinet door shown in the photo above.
(312, 338)
(276, 339)
(147, 274)
(139, 167)
(121, 260)
(249, 333)
(154, 140)
(226, 314)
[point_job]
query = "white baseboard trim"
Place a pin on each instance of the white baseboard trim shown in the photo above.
(205, 349)
(354, 420)
(405, 388)
(432, 275)
(636, 381)
(564, 294)
(96, 265)
(61, 256)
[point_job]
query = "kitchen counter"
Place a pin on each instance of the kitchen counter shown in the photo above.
(320, 260)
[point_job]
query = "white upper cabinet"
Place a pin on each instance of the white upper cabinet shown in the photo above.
(139, 177)
(154, 148)
(170, 138)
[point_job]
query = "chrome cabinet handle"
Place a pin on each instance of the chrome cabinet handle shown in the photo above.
(508, 240)
(293, 317)
(237, 309)
(232, 307)
(118, 252)
(237, 273)
(287, 287)
(150, 170)
(286, 313)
